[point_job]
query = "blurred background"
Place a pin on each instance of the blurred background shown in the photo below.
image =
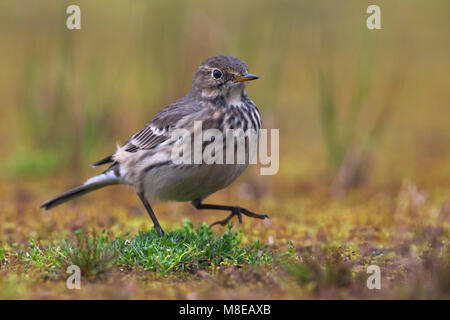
(354, 106)
(327, 82)
(364, 115)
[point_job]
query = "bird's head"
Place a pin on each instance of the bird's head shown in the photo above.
(221, 74)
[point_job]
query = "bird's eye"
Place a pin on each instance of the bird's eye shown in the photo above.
(216, 74)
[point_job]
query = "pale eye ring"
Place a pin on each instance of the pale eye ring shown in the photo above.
(217, 74)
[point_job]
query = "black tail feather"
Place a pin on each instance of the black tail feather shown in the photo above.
(97, 182)
(73, 193)
(108, 159)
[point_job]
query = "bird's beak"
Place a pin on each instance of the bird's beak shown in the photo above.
(245, 77)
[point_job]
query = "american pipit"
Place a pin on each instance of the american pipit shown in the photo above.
(218, 100)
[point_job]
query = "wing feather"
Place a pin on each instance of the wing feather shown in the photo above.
(159, 129)
(147, 138)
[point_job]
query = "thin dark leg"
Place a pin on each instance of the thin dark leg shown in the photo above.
(151, 213)
(235, 211)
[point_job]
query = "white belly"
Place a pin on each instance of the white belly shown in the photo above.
(190, 182)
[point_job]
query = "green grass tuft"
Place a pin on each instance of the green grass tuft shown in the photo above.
(182, 250)
(187, 249)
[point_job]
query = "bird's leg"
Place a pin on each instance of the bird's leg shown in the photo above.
(235, 211)
(151, 213)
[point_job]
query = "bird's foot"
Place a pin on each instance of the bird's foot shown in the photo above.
(238, 211)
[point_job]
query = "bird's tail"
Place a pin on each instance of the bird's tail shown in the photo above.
(102, 180)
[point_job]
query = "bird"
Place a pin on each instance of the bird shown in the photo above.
(218, 100)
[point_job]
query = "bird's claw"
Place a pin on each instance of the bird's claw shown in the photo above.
(239, 211)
